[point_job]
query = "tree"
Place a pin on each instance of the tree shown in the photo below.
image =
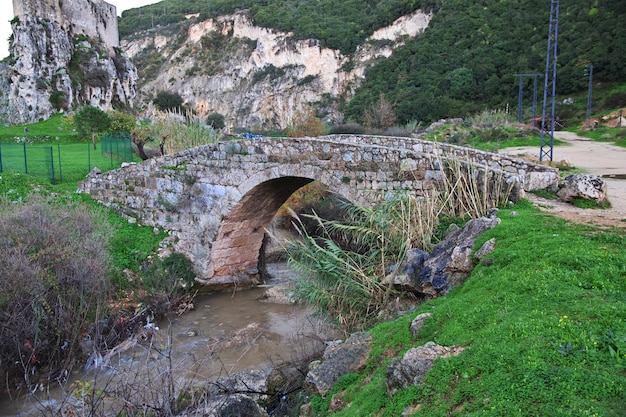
(91, 121)
(305, 123)
(121, 122)
(168, 101)
(380, 115)
(141, 136)
(215, 120)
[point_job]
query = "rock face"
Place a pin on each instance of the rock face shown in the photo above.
(256, 76)
(92, 18)
(589, 187)
(64, 54)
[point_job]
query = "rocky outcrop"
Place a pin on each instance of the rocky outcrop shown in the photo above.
(256, 76)
(449, 262)
(65, 54)
(92, 18)
(588, 187)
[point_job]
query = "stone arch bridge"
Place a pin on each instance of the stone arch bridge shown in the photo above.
(216, 200)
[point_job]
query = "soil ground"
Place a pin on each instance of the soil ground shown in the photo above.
(603, 159)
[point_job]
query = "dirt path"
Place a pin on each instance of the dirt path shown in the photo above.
(602, 159)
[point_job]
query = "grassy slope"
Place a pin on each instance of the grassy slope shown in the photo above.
(544, 329)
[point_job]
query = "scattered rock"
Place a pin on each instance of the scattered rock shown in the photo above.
(487, 247)
(228, 406)
(450, 260)
(251, 384)
(337, 361)
(418, 322)
(407, 276)
(589, 187)
(416, 362)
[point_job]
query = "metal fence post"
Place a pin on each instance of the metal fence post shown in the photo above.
(25, 164)
(60, 169)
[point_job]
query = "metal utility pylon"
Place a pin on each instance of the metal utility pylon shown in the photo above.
(549, 90)
(590, 75)
(519, 94)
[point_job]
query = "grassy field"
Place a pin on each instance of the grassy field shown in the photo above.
(50, 149)
(544, 331)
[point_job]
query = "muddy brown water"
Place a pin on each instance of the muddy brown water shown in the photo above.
(225, 333)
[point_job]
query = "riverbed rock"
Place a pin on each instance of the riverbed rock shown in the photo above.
(252, 383)
(588, 187)
(338, 360)
(413, 366)
(228, 406)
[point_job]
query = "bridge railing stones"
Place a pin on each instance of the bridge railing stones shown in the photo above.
(215, 196)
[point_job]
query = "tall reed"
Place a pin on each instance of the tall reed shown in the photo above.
(344, 266)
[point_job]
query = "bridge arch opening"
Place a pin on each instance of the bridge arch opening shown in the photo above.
(238, 243)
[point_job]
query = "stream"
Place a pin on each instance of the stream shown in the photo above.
(225, 333)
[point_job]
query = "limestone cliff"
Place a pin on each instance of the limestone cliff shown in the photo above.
(254, 76)
(64, 54)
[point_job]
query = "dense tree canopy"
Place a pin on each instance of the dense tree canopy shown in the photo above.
(467, 59)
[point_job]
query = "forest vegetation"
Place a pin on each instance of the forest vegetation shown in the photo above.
(463, 63)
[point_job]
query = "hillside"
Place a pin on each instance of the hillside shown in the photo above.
(463, 62)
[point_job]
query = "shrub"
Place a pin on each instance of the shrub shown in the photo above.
(58, 100)
(168, 101)
(346, 128)
(380, 115)
(169, 275)
(305, 124)
(215, 120)
(54, 270)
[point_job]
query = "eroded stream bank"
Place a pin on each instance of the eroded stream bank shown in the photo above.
(225, 333)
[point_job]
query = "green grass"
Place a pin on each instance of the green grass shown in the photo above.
(617, 136)
(55, 128)
(544, 331)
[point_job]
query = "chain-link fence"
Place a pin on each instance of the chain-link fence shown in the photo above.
(117, 147)
(69, 162)
(37, 161)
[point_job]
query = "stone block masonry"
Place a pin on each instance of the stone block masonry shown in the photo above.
(216, 200)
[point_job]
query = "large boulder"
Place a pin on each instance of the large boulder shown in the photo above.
(449, 262)
(413, 366)
(338, 360)
(589, 187)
